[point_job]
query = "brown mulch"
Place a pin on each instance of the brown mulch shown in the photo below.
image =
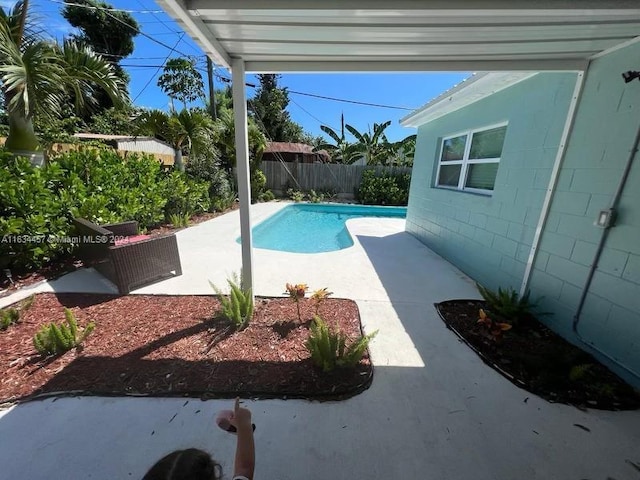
(538, 360)
(176, 346)
(62, 266)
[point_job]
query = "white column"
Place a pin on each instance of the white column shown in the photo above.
(242, 167)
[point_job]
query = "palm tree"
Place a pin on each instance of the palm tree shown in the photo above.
(37, 76)
(226, 140)
(189, 128)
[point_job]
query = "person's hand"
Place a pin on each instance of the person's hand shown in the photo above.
(241, 416)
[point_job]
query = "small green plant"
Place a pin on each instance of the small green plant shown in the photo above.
(315, 197)
(8, 317)
(266, 196)
(328, 348)
(296, 293)
(295, 195)
(319, 296)
(495, 329)
(507, 303)
(180, 219)
(54, 339)
(238, 306)
(579, 372)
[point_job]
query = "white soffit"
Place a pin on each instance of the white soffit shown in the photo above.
(407, 35)
(469, 91)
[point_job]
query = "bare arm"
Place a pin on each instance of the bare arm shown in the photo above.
(245, 451)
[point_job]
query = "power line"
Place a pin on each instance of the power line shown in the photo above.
(310, 114)
(158, 70)
(106, 9)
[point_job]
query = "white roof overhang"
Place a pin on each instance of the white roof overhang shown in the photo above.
(469, 91)
(407, 35)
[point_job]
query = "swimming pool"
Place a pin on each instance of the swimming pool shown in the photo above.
(314, 228)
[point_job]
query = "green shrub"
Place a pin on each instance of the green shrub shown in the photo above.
(258, 182)
(53, 339)
(329, 350)
(295, 195)
(180, 220)
(315, 197)
(8, 317)
(266, 196)
(384, 189)
(507, 303)
(238, 306)
(205, 168)
(222, 203)
(184, 195)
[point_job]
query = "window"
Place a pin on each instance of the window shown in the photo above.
(469, 161)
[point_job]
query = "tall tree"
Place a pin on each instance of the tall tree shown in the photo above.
(37, 77)
(269, 109)
(190, 129)
(341, 150)
(107, 31)
(180, 80)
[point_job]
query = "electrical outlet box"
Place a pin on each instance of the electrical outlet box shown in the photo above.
(605, 218)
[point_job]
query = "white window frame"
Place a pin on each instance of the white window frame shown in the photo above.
(465, 161)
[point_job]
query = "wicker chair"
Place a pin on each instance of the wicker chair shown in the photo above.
(128, 265)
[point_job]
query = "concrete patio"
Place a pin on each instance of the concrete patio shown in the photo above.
(434, 411)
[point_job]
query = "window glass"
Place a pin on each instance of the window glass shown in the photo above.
(449, 175)
(453, 148)
(482, 175)
(488, 143)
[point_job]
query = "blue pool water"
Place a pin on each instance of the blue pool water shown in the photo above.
(314, 228)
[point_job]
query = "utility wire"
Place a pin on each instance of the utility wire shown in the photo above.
(106, 9)
(158, 69)
(324, 97)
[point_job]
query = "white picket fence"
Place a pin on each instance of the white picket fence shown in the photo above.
(343, 180)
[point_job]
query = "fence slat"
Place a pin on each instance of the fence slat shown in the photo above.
(337, 178)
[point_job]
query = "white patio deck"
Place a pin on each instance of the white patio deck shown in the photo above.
(434, 411)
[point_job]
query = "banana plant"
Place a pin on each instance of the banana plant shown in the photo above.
(341, 150)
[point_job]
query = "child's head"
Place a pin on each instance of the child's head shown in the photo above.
(190, 464)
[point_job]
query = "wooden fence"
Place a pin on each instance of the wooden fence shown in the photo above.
(341, 179)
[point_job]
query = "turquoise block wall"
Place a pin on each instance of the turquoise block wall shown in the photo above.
(489, 237)
(607, 120)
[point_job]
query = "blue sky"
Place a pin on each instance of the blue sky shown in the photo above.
(402, 90)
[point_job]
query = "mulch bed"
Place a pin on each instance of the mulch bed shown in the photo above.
(538, 360)
(176, 346)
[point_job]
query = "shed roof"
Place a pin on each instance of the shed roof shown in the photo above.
(290, 147)
(407, 35)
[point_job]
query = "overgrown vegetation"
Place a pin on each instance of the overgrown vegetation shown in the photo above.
(238, 306)
(329, 349)
(384, 188)
(37, 204)
(53, 339)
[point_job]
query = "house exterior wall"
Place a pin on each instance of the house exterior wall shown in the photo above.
(606, 123)
(489, 237)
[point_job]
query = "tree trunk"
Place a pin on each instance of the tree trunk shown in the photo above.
(22, 140)
(177, 160)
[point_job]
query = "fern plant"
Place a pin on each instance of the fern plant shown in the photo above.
(8, 317)
(329, 348)
(238, 306)
(507, 303)
(54, 339)
(180, 219)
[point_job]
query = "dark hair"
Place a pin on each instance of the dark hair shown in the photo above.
(190, 464)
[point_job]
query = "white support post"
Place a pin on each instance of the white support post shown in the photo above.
(242, 168)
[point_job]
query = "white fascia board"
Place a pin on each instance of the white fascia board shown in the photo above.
(473, 89)
(275, 64)
(197, 30)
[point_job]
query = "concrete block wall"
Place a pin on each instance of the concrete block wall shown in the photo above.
(489, 237)
(607, 120)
